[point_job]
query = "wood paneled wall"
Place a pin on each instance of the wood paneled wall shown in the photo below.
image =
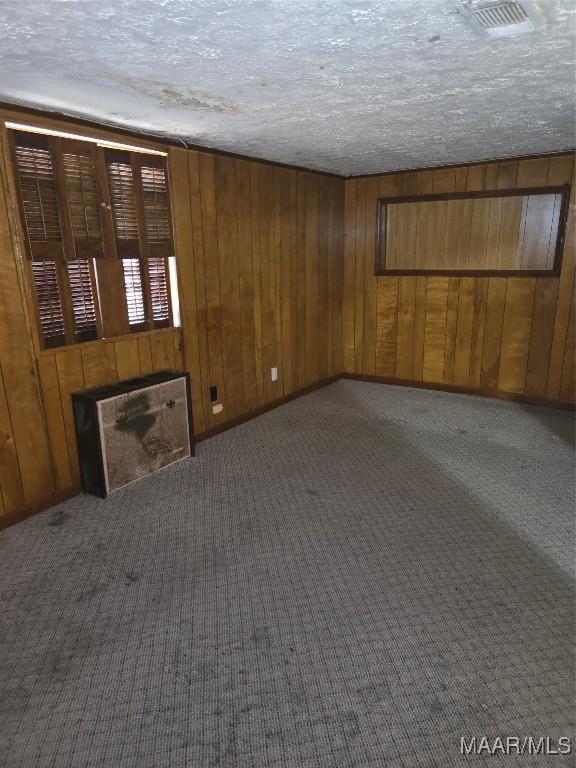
(515, 232)
(260, 259)
(491, 334)
(276, 269)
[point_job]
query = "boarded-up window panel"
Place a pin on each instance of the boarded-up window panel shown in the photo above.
(82, 297)
(48, 303)
(123, 202)
(134, 292)
(156, 205)
(159, 291)
(35, 173)
(82, 199)
(509, 231)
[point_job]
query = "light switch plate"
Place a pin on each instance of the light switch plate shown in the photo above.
(274, 372)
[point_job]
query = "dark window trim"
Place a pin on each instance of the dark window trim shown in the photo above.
(382, 202)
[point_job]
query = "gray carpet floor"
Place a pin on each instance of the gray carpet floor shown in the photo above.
(358, 578)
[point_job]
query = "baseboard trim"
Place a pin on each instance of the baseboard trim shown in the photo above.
(33, 509)
(264, 408)
(454, 388)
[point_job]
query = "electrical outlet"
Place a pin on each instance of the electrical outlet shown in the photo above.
(274, 372)
(213, 393)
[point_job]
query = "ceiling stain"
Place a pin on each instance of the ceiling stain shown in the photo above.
(347, 86)
(173, 96)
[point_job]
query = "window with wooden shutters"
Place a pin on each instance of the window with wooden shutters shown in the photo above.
(80, 281)
(82, 198)
(35, 172)
(48, 303)
(134, 292)
(156, 209)
(159, 293)
(123, 201)
(98, 234)
(142, 224)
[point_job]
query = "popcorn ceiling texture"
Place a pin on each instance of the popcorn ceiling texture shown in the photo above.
(347, 86)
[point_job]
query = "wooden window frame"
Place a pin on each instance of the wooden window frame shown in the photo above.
(381, 224)
(107, 252)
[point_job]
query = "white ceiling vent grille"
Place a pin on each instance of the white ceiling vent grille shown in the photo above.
(501, 18)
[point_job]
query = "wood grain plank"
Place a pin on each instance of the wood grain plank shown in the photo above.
(419, 328)
(325, 227)
(348, 308)
(246, 278)
(211, 274)
(491, 350)
(405, 326)
(516, 334)
(99, 364)
(360, 246)
(287, 247)
(229, 282)
(478, 330)
(145, 355)
(435, 329)
(370, 282)
(533, 172)
(70, 379)
(11, 488)
(568, 381)
(52, 398)
(179, 178)
(545, 299)
(386, 326)
(451, 329)
(338, 266)
(565, 291)
(127, 358)
(312, 317)
(16, 358)
(464, 328)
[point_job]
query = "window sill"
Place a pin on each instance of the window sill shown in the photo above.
(112, 340)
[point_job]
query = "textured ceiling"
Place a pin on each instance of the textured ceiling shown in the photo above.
(348, 86)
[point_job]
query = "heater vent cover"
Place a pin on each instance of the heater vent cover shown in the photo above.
(500, 18)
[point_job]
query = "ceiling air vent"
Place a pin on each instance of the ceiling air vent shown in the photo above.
(501, 18)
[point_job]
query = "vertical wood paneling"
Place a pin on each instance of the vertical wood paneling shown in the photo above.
(27, 436)
(54, 408)
(516, 334)
(268, 256)
(127, 359)
(464, 326)
(386, 326)
(435, 329)
(10, 477)
(349, 298)
(184, 245)
(491, 334)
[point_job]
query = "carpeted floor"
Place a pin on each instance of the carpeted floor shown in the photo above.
(358, 578)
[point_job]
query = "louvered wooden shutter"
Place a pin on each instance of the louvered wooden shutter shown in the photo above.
(38, 196)
(134, 291)
(156, 204)
(159, 292)
(121, 180)
(80, 281)
(75, 160)
(48, 303)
